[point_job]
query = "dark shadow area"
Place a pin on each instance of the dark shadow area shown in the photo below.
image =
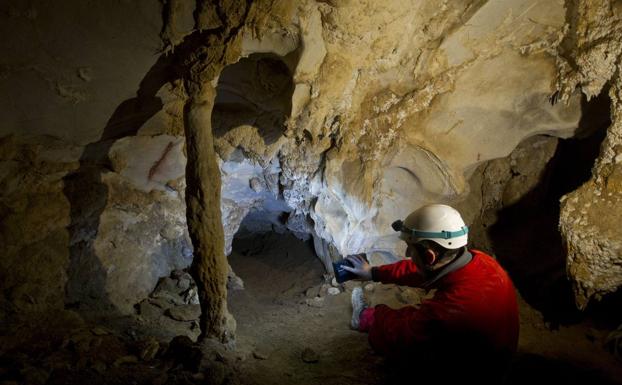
(88, 195)
(535, 369)
(525, 369)
(526, 238)
(255, 91)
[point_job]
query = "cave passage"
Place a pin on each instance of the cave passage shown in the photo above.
(255, 91)
(275, 267)
(290, 327)
(526, 236)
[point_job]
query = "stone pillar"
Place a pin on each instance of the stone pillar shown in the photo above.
(209, 267)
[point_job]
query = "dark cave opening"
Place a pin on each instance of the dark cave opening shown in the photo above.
(276, 266)
(291, 323)
(526, 237)
(274, 262)
(255, 91)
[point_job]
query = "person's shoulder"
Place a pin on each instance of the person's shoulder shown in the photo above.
(480, 253)
(483, 257)
(487, 261)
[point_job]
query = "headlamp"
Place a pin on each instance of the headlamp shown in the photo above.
(444, 234)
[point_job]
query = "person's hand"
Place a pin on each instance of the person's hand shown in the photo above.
(360, 266)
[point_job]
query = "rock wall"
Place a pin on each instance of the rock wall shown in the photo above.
(92, 164)
(375, 133)
(331, 119)
(502, 183)
(591, 60)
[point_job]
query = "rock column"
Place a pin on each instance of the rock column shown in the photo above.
(209, 267)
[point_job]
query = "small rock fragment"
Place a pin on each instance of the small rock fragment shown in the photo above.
(350, 285)
(312, 292)
(183, 284)
(315, 302)
(150, 349)
(333, 291)
(259, 355)
(99, 331)
(255, 184)
(324, 289)
(310, 356)
(125, 360)
(191, 296)
(234, 282)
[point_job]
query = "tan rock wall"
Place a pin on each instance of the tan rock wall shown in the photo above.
(387, 105)
(88, 208)
(402, 124)
(34, 216)
(590, 58)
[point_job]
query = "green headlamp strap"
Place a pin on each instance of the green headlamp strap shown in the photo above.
(440, 234)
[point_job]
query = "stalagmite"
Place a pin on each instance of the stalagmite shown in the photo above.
(209, 266)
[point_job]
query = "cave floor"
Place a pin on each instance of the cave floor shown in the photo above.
(279, 315)
(290, 330)
(285, 317)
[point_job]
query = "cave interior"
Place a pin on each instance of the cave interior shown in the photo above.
(179, 176)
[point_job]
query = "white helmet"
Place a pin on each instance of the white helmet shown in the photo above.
(439, 223)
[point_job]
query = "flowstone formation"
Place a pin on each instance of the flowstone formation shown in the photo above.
(329, 119)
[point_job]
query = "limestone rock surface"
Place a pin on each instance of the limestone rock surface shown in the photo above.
(92, 164)
(374, 133)
(331, 119)
(589, 215)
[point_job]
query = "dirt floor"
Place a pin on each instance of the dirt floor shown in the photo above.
(292, 328)
(292, 331)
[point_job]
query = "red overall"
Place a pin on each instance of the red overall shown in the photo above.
(473, 313)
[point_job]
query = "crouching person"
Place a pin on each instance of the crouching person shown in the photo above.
(468, 331)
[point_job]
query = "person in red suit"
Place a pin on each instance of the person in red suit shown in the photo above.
(469, 329)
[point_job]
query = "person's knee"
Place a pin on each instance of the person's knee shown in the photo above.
(366, 320)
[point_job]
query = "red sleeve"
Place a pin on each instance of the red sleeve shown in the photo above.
(396, 332)
(400, 273)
